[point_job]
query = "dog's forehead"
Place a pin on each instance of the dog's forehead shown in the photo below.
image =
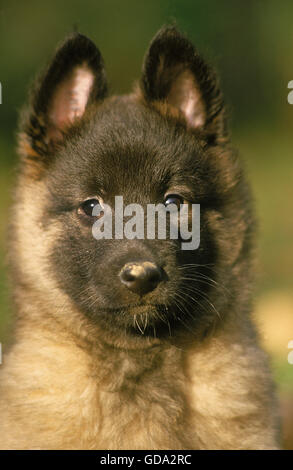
(128, 146)
(125, 126)
(127, 150)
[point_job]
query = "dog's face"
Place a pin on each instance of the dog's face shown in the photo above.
(166, 143)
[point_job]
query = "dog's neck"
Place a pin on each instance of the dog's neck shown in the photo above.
(141, 389)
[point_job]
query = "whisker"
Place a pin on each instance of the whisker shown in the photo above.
(138, 325)
(204, 297)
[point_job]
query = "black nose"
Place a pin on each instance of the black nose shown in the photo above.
(140, 277)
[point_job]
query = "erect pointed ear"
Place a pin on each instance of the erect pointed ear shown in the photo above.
(74, 79)
(175, 74)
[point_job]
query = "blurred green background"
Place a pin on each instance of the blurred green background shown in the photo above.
(251, 45)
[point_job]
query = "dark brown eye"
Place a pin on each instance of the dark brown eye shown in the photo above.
(173, 199)
(90, 208)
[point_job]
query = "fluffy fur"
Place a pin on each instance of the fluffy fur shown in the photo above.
(93, 366)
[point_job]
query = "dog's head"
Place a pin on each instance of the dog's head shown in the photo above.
(166, 143)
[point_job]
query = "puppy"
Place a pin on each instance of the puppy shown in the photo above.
(132, 342)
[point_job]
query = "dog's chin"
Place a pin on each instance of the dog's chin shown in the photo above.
(140, 325)
(145, 321)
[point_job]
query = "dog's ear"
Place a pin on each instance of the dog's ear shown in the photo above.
(176, 75)
(74, 79)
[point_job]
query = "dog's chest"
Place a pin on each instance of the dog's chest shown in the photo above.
(142, 403)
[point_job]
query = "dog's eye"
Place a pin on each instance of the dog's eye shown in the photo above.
(173, 199)
(87, 207)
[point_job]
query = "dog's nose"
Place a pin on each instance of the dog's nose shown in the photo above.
(140, 278)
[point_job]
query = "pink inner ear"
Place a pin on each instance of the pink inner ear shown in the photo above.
(185, 95)
(70, 100)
